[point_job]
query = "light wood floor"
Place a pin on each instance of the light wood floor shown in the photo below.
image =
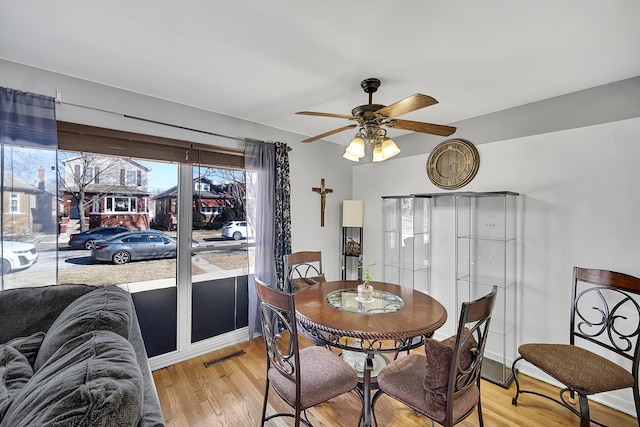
(230, 393)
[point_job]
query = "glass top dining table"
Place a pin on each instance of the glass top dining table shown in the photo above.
(347, 299)
(396, 319)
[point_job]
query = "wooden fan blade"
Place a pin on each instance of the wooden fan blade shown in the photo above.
(423, 127)
(412, 103)
(331, 132)
(338, 116)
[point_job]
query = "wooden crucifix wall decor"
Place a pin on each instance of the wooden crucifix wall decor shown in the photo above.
(323, 199)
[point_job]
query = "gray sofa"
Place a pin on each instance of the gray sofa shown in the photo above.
(73, 355)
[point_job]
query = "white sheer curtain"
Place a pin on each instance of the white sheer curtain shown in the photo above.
(268, 201)
(28, 149)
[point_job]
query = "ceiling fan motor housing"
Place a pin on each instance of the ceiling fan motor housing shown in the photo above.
(370, 85)
(366, 112)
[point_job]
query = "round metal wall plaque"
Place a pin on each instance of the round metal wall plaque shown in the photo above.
(453, 164)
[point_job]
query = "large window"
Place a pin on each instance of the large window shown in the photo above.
(223, 260)
(121, 204)
(146, 263)
(175, 220)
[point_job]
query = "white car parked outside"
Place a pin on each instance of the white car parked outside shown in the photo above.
(236, 230)
(17, 256)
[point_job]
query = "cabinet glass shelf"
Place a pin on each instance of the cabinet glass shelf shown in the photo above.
(406, 241)
(486, 255)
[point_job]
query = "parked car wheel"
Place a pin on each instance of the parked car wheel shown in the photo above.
(121, 257)
(90, 244)
(6, 267)
(237, 235)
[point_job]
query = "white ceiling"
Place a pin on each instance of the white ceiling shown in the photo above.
(264, 60)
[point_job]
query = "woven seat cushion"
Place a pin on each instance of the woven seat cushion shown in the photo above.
(323, 376)
(577, 368)
(403, 379)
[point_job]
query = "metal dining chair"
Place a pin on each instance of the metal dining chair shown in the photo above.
(301, 377)
(303, 269)
(444, 383)
(605, 315)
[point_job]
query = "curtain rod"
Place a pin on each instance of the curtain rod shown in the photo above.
(127, 116)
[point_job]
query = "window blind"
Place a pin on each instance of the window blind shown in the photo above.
(97, 140)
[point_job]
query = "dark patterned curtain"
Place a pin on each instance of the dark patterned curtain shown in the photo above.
(282, 213)
(268, 208)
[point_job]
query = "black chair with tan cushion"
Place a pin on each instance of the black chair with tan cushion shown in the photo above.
(443, 384)
(605, 316)
(303, 269)
(301, 377)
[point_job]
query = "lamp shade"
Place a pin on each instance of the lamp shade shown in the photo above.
(356, 148)
(389, 148)
(352, 213)
(377, 153)
(347, 155)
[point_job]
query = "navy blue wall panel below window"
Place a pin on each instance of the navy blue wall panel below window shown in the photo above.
(157, 314)
(214, 308)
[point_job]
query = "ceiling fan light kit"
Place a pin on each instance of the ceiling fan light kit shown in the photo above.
(383, 148)
(371, 117)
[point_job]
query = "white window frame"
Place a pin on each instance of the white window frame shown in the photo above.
(202, 186)
(14, 203)
(111, 202)
(131, 177)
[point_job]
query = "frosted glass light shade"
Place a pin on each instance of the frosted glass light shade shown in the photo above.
(352, 213)
(377, 153)
(356, 148)
(347, 155)
(389, 148)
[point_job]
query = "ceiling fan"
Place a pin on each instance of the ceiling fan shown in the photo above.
(371, 117)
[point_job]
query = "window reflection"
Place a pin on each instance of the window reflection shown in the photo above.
(99, 192)
(28, 221)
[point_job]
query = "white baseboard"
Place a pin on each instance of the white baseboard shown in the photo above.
(198, 349)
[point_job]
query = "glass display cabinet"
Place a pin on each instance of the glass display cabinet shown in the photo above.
(406, 240)
(486, 248)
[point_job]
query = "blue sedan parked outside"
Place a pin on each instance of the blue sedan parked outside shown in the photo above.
(87, 239)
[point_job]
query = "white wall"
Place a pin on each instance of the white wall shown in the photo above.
(579, 207)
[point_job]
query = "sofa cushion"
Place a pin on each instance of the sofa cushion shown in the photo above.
(29, 310)
(15, 372)
(107, 308)
(28, 346)
(92, 380)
